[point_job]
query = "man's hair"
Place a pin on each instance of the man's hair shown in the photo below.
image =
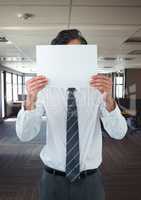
(65, 36)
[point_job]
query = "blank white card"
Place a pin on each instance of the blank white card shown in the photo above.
(67, 65)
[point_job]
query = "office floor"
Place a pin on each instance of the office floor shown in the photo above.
(20, 166)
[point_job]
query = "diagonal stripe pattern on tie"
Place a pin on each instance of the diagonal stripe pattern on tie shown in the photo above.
(72, 140)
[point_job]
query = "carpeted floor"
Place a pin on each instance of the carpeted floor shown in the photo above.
(20, 166)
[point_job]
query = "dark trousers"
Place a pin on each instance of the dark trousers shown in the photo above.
(56, 187)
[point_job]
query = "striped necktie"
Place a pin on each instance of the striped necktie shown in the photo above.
(72, 140)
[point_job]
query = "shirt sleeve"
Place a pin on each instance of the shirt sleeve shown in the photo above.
(113, 122)
(28, 123)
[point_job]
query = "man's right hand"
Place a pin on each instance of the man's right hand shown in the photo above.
(33, 86)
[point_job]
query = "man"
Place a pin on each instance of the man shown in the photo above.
(73, 150)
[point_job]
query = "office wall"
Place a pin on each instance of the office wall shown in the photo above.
(133, 82)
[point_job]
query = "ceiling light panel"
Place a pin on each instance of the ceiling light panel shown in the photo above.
(44, 15)
(106, 15)
(34, 2)
(107, 2)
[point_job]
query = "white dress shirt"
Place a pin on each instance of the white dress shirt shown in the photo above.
(91, 108)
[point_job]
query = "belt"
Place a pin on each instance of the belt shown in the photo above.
(60, 173)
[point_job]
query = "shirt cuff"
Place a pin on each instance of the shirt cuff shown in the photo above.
(23, 108)
(113, 113)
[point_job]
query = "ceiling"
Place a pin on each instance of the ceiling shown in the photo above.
(107, 23)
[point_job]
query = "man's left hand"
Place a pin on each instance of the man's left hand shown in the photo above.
(104, 85)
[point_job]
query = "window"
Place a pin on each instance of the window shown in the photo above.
(119, 88)
(2, 91)
(9, 87)
(19, 85)
(15, 88)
